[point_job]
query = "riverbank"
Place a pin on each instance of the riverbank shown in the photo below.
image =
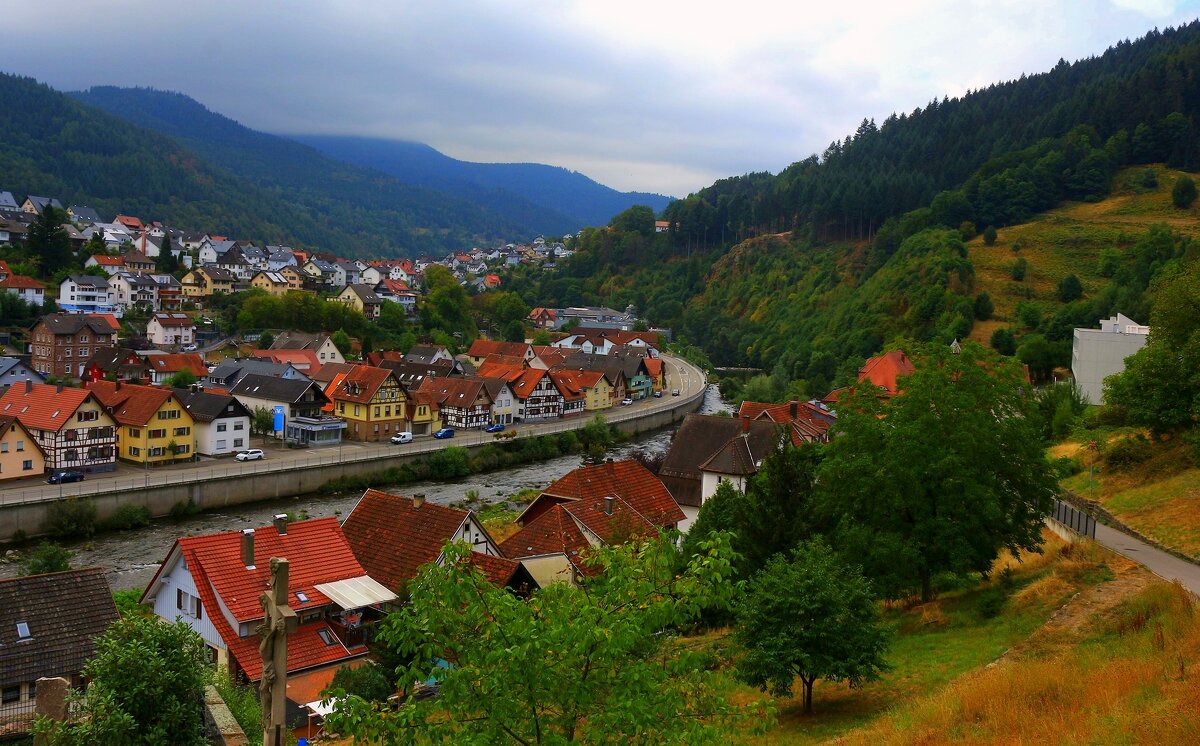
(26, 510)
(130, 558)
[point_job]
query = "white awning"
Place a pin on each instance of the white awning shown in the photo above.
(355, 593)
(322, 707)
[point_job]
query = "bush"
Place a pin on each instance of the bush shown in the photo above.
(370, 682)
(183, 509)
(1127, 452)
(1065, 467)
(1183, 194)
(1018, 269)
(47, 558)
(991, 602)
(1003, 342)
(71, 518)
(128, 517)
(243, 702)
(450, 463)
(989, 235)
(127, 602)
(984, 307)
(1070, 289)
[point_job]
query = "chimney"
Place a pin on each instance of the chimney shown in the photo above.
(248, 548)
(118, 386)
(59, 391)
(280, 522)
(745, 424)
(418, 500)
(795, 406)
(608, 505)
(28, 386)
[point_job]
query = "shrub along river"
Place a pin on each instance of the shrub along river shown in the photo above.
(132, 557)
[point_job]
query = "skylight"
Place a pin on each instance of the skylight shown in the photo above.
(326, 636)
(302, 596)
(22, 631)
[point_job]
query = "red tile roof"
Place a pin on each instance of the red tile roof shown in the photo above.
(485, 347)
(654, 367)
(510, 373)
(627, 480)
(21, 282)
(499, 570)
(131, 404)
(883, 370)
(317, 552)
(45, 407)
(176, 362)
(392, 539)
(105, 260)
(552, 532)
(365, 380)
(305, 361)
(525, 384)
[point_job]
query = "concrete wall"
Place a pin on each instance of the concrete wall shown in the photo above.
(221, 491)
(1099, 353)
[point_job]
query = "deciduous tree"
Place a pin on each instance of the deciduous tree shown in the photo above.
(587, 663)
(941, 477)
(809, 616)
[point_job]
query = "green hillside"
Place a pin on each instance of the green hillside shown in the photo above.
(53, 145)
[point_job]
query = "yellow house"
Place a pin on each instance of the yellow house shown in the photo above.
(424, 416)
(362, 299)
(294, 277)
(205, 282)
(20, 455)
(153, 426)
(272, 282)
(371, 401)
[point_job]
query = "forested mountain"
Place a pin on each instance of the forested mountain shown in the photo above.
(807, 272)
(568, 193)
(364, 212)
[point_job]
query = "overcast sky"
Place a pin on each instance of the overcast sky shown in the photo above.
(652, 95)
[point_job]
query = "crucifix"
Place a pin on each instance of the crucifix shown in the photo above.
(278, 620)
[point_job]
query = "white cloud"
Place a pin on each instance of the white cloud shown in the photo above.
(658, 96)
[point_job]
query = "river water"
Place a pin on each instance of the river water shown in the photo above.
(132, 557)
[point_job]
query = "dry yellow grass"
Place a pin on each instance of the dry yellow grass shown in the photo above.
(1128, 682)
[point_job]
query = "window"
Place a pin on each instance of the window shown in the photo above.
(302, 597)
(20, 445)
(326, 636)
(157, 451)
(135, 451)
(169, 414)
(13, 693)
(134, 432)
(187, 603)
(22, 631)
(83, 352)
(71, 455)
(239, 426)
(27, 464)
(237, 442)
(87, 416)
(220, 427)
(158, 433)
(182, 431)
(376, 411)
(220, 445)
(3, 447)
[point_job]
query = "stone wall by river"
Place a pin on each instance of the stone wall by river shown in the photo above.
(131, 557)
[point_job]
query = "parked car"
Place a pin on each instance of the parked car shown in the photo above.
(674, 392)
(190, 348)
(496, 428)
(251, 455)
(444, 433)
(657, 394)
(65, 475)
(626, 402)
(405, 437)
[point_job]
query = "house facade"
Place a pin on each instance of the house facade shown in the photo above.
(212, 583)
(71, 426)
(464, 402)
(222, 423)
(372, 402)
(1099, 353)
(169, 329)
(86, 294)
(153, 426)
(20, 455)
(537, 396)
(62, 343)
(25, 288)
(300, 403)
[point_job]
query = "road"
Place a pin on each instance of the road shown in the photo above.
(1166, 566)
(689, 379)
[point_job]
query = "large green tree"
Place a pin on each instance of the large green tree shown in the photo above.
(809, 616)
(589, 663)
(146, 687)
(48, 239)
(941, 477)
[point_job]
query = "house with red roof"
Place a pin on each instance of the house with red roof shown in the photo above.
(71, 426)
(595, 505)
(544, 318)
(536, 395)
(464, 401)
(885, 370)
(163, 365)
(107, 262)
(372, 401)
(213, 584)
(482, 348)
(805, 421)
(304, 361)
(393, 536)
(25, 288)
(579, 390)
(153, 425)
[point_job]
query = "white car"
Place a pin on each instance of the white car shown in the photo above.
(190, 348)
(399, 438)
(251, 455)
(626, 402)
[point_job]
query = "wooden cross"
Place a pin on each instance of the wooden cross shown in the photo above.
(278, 621)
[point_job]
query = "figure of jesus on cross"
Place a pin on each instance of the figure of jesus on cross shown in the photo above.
(278, 621)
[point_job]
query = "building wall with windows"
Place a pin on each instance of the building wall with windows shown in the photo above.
(20, 455)
(151, 443)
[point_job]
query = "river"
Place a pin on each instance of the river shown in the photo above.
(131, 557)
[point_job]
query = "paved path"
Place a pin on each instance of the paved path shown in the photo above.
(1166, 566)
